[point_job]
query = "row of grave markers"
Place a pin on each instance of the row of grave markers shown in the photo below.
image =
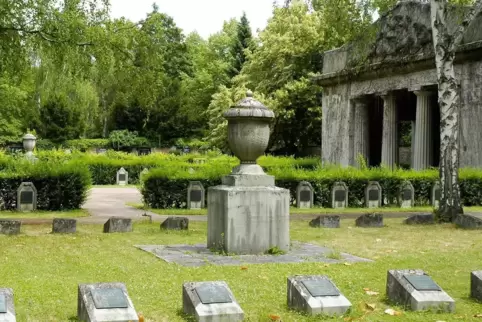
(214, 301)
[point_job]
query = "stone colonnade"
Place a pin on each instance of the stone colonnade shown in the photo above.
(421, 130)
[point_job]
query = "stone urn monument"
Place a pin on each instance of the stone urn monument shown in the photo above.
(29, 141)
(248, 214)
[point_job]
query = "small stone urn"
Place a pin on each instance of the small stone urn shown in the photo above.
(248, 133)
(29, 141)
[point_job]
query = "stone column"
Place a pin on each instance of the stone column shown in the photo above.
(390, 131)
(412, 144)
(361, 136)
(422, 158)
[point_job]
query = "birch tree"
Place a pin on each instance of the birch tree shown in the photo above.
(445, 44)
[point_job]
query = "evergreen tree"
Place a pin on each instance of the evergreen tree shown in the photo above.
(243, 41)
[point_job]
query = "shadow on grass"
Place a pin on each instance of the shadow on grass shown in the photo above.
(185, 316)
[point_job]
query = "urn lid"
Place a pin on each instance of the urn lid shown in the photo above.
(249, 107)
(29, 136)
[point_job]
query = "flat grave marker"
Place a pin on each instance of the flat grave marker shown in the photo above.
(10, 227)
(210, 301)
(476, 285)
(420, 219)
(64, 226)
(416, 290)
(339, 195)
(26, 197)
(304, 195)
(370, 220)
(316, 294)
(373, 195)
(195, 195)
(326, 221)
(105, 302)
(118, 225)
(469, 221)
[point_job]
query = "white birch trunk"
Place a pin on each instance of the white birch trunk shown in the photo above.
(445, 46)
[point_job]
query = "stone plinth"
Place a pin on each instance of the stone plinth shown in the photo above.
(420, 219)
(210, 301)
(476, 285)
(7, 305)
(370, 220)
(469, 221)
(64, 226)
(315, 295)
(118, 225)
(10, 227)
(415, 290)
(326, 222)
(105, 302)
(175, 223)
(248, 219)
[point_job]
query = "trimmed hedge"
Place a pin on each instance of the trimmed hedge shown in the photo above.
(168, 189)
(60, 186)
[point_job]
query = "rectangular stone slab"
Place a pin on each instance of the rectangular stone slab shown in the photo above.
(3, 304)
(305, 196)
(109, 298)
(407, 194)
(373, 195)
(321, 287)
(196, 196)
(340, 195)
(26, 197)
(422, 283)
(122, 177)
(213, 293)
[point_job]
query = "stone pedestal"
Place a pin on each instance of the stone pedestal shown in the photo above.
(476, 285)
(390, 130)
(248, 214)
(10, 227)
(423, 132)
(7, 306)
(361, 135)
(64, 226)
(118, 225)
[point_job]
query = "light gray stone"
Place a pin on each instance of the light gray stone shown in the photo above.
(339, 195)
(326, 221)
(304, 195)
(7, 305)
(327, 298)
(210, 302)
(195, 195)
(64, 226)
(476, 285)
(118, 225)
(469, 221)
(26, 197)
(122, 177)
(370, 220)
(373, 195)
(10, 227)
(175, 223)
(435, 194)
(406, 197)
(88, 310)
(248, 220)
(401, 292)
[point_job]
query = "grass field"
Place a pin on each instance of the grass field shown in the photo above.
(43, 214)
(44, 270)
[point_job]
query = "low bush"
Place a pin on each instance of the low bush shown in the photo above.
(168, 189)
(60, 186)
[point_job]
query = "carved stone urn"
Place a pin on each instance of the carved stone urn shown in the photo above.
(248, 132)
(29, 141)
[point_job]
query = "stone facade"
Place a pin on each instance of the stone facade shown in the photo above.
(363, 103)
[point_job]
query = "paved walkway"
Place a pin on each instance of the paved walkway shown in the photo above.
(103, 203)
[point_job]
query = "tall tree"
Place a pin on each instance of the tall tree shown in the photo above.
(243, 42)
(445, 44)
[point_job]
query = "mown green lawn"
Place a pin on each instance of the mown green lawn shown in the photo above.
(43, 214)
(44, 270)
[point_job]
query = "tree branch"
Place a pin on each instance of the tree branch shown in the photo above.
(469, 18)
(44, 35)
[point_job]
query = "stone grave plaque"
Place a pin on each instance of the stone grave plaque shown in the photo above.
(305, 196)
(476, 285)
(320, 287)
(213, 293)
(469, 221)
(210, 301)
(122, 177)
(406, 197)
(373, 195)
(414, 289)
(3, 303)
(339, 195)
(109, 298)
(26, 197)
(422, 283)
(316, 294)
(195, 195)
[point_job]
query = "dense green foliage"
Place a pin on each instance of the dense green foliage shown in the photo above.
(60, 185)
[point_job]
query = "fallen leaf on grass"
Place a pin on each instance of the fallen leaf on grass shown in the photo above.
(478, 315)
(371, 293)
(370, 307)
(392, 312)
(275, 317)
(243, 268)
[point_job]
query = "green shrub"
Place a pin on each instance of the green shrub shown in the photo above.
(60, 186)
(86, 144)
(164, 188)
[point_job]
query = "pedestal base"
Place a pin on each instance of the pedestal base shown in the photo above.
(248, 219)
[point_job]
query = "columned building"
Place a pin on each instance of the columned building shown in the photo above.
(372, 105)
